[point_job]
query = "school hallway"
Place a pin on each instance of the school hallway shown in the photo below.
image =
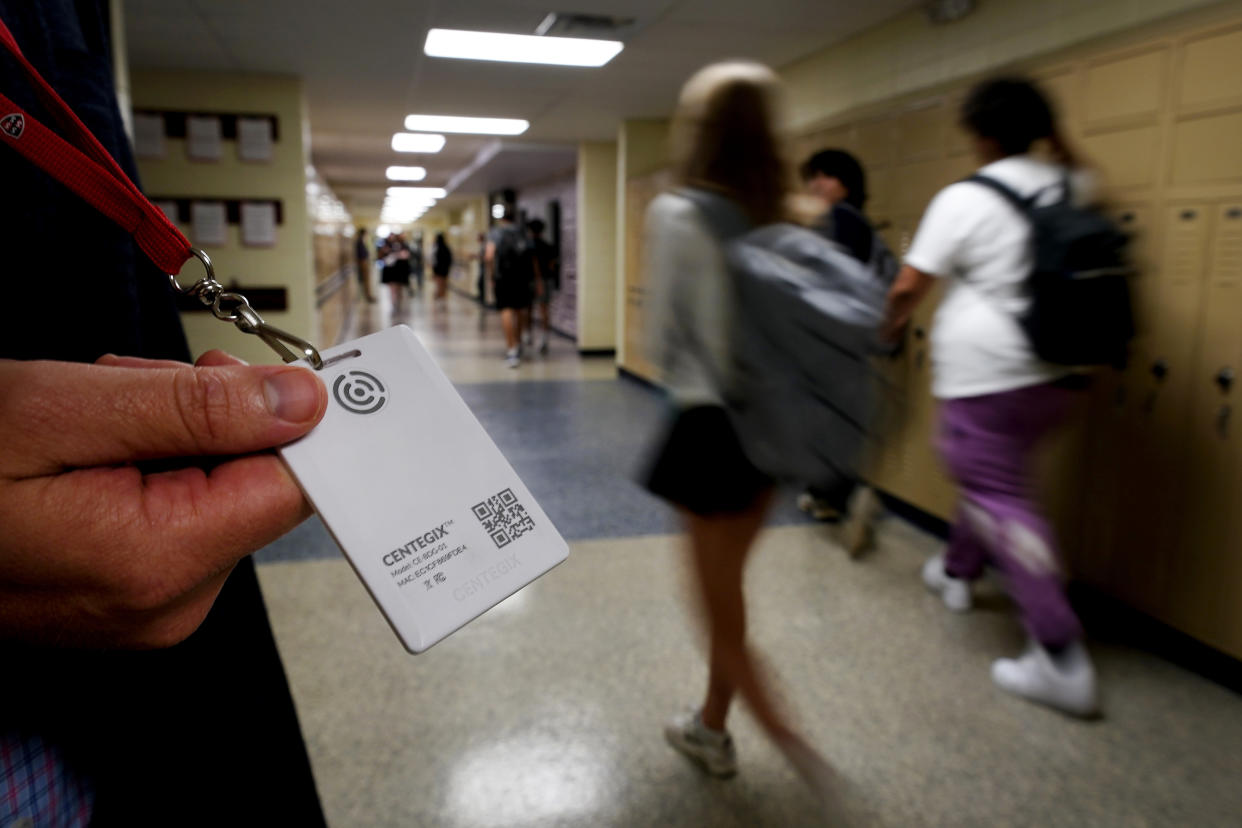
(548, 710)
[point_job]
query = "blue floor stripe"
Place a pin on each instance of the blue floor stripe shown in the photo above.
(579, 447)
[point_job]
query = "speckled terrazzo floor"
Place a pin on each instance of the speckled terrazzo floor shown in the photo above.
(547, 711)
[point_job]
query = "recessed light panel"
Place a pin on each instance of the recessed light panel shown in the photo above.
(406, 173)
(429, 192)
(417, 142)
(472, 126)
(511, 48)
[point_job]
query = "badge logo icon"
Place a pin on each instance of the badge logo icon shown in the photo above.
(359, 392)
(13, 125)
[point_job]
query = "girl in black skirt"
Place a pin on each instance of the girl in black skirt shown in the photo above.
(726, 143)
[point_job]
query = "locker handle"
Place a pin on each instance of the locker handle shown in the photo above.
(919, 334)
(1126, 218)
(1187, 215)
(1224, 379)
(1233, 212)
(1160, 370)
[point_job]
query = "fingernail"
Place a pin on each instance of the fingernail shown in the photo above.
(292, 395)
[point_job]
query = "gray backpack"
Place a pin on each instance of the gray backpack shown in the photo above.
(799, 388)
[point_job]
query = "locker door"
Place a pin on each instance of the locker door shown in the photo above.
(1152, 469)
(1209, 71)
(886, 461)
(1115, 549)
(1206, 571)
(928, 482)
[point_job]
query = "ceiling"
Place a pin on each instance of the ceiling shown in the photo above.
(364, 70)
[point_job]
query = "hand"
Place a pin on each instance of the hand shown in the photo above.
(96, 552)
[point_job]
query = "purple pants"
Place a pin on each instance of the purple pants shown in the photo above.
(988, 443)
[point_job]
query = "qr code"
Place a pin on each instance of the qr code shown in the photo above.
(503, 518)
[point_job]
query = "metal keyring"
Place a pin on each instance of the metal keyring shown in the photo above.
(211, 293)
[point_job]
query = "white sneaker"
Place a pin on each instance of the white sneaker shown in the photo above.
(712, 749)
(1065, 682)
(955, 592)
(512, 358)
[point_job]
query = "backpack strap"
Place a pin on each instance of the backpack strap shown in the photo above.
(1023, 205)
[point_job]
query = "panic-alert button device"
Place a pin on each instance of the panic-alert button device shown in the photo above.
(429, 513)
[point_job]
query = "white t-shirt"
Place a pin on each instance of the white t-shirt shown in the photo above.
(979, 241)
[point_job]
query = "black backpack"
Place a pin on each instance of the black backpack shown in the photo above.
(1079, 283)
(513, 256)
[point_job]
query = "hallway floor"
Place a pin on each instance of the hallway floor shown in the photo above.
(547, 711)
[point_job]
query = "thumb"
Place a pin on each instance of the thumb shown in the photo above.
(69, 415)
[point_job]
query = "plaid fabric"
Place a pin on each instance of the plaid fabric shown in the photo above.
(37, 789)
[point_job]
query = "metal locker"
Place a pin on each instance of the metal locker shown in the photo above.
(1208, 557)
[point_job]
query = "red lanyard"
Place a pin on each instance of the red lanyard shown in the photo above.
(84, 166)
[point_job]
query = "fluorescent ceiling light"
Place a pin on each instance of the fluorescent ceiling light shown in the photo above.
(410, 201)
(406, 173)
(473, 126)
(511, 48)
(432, 192)
(417, 142)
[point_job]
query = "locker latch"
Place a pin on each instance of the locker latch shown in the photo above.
(1224, 381)
(1159, 370)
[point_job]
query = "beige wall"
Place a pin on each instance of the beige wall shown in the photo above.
(642, 149)
(597, 227)
(907, 53)
(288, 264)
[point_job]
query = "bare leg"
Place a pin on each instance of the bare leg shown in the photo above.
(720, 545)
(524, 321)
(545, 311)
(509, 321)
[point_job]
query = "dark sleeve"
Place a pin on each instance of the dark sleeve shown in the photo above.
(61, 257)
(849, 229)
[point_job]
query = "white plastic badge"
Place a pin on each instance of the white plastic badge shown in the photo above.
(430, 514)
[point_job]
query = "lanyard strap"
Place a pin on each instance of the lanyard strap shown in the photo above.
(81, 163)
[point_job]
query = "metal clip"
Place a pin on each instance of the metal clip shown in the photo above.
(229, 306)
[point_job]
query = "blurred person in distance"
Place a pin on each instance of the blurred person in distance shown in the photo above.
(547, 278)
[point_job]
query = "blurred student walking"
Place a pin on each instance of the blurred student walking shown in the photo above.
(836, 179)
(998, 399)
(362, 258)
(441, 265)
(726, 145)
(396, 272)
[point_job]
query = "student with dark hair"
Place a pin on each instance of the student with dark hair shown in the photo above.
(441, 265)
(508, 258)
(547, 277)
(998, 399)
(836, 179)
